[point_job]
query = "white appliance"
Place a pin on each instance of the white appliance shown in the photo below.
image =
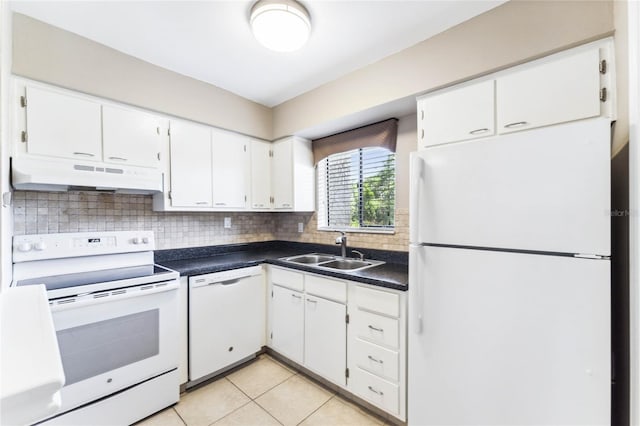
(226, 320)
(115, 314)
(509, 288)
(34, 173)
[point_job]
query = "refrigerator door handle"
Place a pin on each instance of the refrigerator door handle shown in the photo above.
(415, 183)
(416, 287)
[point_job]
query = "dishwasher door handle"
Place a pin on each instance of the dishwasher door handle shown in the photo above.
(230, 282)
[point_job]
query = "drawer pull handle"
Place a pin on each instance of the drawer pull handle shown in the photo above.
(516, 124)
(478, 131)
(86, 154)
(201, 203)
(376, 328)
(379, 361)
(296, 296)
(312, 301)
(118, 158)
(376, 391)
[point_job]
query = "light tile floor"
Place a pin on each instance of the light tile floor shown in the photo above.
(264, 392)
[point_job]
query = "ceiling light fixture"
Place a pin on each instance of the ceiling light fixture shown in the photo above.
(280, 25)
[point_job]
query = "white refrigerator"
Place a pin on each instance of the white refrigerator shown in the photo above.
(509, 287)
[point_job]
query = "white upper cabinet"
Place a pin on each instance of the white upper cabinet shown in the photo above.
(282, 174)
(130, 137)
(462, 113)
(260, 175)
(230, 168)
(293, 175)
(191, 175)
(61, 125)
(555, 91)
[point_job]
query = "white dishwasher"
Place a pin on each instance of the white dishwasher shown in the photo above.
(226, 320)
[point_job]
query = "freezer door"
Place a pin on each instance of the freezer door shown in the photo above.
(544, 190)
(507, 339)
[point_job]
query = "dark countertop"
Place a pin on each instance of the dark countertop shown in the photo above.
(205, 260)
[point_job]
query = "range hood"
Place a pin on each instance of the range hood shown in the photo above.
(52, 174)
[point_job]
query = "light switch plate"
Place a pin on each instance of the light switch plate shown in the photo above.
(300, 227)
(227, 222)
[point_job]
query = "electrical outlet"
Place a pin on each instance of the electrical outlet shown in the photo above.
(227, 222)
(300, 227)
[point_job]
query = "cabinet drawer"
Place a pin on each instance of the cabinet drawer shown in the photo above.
(377, 329)
(378, 301)
(326, 287)
(288, 279)
(375, 390)
(376, 359)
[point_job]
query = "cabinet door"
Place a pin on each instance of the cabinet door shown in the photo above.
(230, 169)
(455, 115)
(325, 338)
(282, 166)
(130, 137)
(260, 175)
(287, 323)
(63, 126)
(227, 323)
(190, 165)
(566, 89)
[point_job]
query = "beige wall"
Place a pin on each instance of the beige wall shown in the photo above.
(505, 36)
(46, 53)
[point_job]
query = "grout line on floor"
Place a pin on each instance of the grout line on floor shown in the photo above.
(313, 412)
(237, 387)
(179, 416)
(230, 413)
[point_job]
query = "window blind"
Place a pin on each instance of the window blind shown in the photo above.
(356, 189)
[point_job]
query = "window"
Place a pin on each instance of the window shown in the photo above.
(357, 189)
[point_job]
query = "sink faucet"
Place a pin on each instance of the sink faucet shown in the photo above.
(361, 254)
(342, 240)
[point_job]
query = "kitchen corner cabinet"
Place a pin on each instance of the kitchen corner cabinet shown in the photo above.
(292, 182)
(551, 92)
(130, 137)
(463, 113)
(191, 174)
(62, 125)
(260, 175)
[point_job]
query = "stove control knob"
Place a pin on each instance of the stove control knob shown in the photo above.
(145, 240)
(39, 246)
(137, 240)
(24, 247)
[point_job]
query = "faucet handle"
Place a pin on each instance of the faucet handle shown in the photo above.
(360, 253)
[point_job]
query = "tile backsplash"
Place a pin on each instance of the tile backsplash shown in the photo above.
(51, 212)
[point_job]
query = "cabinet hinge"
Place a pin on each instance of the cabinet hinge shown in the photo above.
(168, 132)
(346, 318)
(271, 335)
(23, 101)
(271, 153)
(603, 94)
(169, 195)
(245, 148)
(158, 156)
(272, 294)
(158, 130)
(603, 66)
(24, 136)
(346, 373)
(245, 198)
(422, 114)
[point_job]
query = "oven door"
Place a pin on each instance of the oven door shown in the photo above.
(115, 339)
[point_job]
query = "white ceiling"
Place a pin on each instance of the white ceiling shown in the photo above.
(211, 40)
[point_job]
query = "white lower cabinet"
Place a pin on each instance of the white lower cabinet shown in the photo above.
(351, 334)
(287, 323)
(325, 343)
(226, 319)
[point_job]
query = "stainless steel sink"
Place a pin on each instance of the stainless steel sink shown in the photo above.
(313, 258)
(329, 262)
(346, 264)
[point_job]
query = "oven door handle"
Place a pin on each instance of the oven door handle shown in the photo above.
(113, 296)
